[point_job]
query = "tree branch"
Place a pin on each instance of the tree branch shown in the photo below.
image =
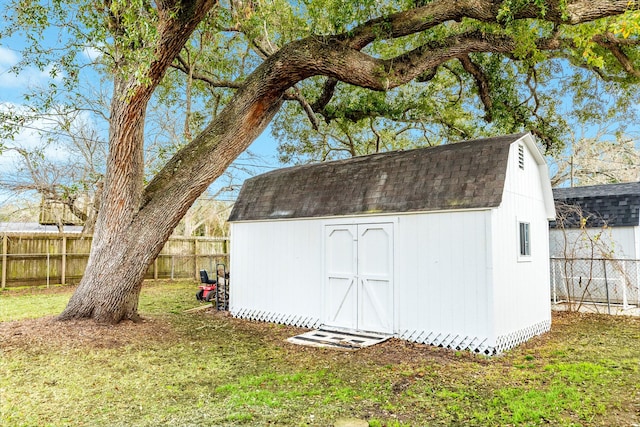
(439, 11)
(295, 95)
(174, 29)
(609, 42)
(482, 83)
(325, 97)
(339, 58)
(376, 133)
(183, 67)
(330, 57)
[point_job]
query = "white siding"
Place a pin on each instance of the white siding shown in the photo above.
(276, 271)
(442, 276)
(521, 300)
(617, 242)
(441, 268)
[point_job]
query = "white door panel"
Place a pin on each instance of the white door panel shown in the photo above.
(374, 249)
(341, 245)
(341, 303)
(375, 273)
(359, 282)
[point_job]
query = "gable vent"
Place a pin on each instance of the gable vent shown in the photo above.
(521, 156)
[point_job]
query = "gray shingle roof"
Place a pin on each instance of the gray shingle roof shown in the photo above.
(613, 204)
(463, 175)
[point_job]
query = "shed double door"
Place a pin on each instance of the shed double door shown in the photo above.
(359, 277)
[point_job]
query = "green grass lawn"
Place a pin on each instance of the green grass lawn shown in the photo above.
(206, 368)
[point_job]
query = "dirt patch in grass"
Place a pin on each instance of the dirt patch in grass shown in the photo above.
(49, 332)
(388, 352)
(39, 290)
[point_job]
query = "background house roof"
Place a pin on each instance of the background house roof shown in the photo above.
(463, 175)
(615, 205)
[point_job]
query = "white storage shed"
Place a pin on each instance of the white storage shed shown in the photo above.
(445, 245)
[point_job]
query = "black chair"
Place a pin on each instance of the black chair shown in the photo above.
(204, 278)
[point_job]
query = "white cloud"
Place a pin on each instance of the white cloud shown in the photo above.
(91, 53)
(8, 58)
(30, 138)
(28, 77)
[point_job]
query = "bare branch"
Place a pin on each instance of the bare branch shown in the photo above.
(327, 93)
(482, 83)
(376, 133)
(184, 67)
(295, 94)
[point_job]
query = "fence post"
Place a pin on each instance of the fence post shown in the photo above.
(625, 303)
(155, 268)
(225, 250)
(195, 259)
(63, 262)
(5, 247)
(553, 278)
(606, 285)
(48, 264)
(637, 264)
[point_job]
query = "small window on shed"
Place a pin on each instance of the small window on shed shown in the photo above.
(521, 156)
(525, 240)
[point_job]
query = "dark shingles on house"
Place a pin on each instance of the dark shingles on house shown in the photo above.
(463, 175)
(615, 205)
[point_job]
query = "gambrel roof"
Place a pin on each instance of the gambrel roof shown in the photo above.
(615, 205)
(463, 175)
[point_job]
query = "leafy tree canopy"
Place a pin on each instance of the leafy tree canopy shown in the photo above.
(554, 75)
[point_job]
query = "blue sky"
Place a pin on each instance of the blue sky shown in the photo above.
(12, 88)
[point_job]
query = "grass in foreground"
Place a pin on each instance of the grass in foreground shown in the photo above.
(206, 368)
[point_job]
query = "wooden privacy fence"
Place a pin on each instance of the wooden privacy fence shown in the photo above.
(39, 259)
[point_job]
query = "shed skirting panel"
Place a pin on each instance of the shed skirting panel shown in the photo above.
(452, 341)
(283, 318)
(476, 344)
(505, 342)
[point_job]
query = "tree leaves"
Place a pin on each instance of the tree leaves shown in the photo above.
(516, 91)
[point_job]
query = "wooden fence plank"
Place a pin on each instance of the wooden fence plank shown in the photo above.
(5, 244)
(63, 267)
(33, 259)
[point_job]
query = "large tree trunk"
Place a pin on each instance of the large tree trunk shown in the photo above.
(109, 289)
(126, 243)
(129, 235)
